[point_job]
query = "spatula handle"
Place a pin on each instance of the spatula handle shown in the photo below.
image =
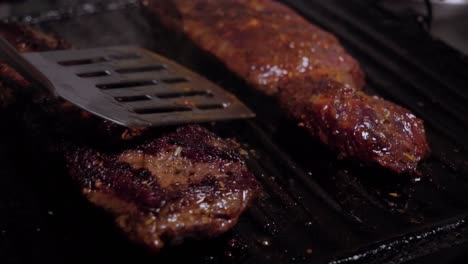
(10, 56)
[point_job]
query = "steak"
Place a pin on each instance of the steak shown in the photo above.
(188, 183)
(306, 69)
(179, 183)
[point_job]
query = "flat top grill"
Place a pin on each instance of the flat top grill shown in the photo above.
(314, 208)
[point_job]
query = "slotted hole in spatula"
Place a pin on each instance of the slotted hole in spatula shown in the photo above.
(93, 74)
(174, 80)
(212, 106)
(119, 85)
(124, 56)
(132, 98)
(140, 69)
(184, 94)
(82, 61)
(160, 110)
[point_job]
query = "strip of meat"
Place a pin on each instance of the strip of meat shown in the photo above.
(315, 81)
(184, 183)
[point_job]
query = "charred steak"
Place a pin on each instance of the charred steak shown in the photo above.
(316, 82)
(178, 184)
(188, 183)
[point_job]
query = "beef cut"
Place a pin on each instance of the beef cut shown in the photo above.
(188, 183)
(306, 69)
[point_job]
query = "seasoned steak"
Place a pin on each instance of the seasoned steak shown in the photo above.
(185, 183)
(307, 70)
(356, 124)
(188, 183)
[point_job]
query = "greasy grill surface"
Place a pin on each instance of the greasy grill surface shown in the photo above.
(314, 208)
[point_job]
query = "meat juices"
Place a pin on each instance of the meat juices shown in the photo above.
(307, 70)
(184, 183)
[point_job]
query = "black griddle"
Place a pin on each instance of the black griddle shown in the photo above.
(314, 208)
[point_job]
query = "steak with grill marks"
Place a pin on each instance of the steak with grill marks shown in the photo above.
(188, 183)
(183, 183)
(306, 69)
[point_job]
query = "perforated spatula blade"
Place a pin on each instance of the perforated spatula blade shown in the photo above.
(127, 85)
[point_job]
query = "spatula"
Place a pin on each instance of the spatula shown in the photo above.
(128, 85)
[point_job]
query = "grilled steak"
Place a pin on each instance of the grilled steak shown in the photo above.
(183, 183)
(187, 183)
(317, 83)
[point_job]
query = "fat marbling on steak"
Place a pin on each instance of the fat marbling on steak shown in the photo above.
(281, 54)
(185, 182)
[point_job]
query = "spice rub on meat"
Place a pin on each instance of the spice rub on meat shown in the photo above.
(186, 183)
(307, 70)
(356, 124)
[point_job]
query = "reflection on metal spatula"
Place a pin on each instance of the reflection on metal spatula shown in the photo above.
(128, 85)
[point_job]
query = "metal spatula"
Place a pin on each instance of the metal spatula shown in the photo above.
(128, 85)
